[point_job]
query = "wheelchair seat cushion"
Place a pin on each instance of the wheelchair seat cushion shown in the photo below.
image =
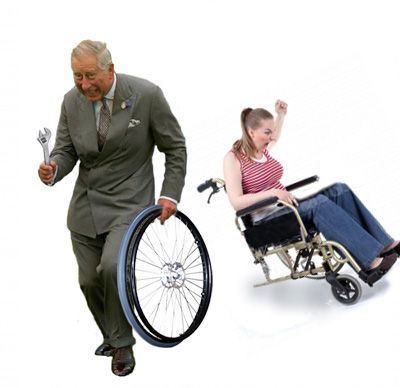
(278, 228)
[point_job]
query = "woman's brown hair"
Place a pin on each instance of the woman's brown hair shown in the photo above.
(249, 118)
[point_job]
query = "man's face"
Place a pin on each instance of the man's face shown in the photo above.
(91, 81)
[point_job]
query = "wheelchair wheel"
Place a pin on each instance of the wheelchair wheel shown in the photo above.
(164, 277)
(352, 290)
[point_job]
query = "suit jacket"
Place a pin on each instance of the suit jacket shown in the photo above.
(116, 183)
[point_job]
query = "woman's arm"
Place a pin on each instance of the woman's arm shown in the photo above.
(281, 110)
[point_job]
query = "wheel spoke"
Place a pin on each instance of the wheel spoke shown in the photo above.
(146, 255)
(156, 308)
(147, 241)
(191, 263)
(189, 305)
(148, 285)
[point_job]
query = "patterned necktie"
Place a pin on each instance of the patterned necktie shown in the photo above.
(104, 124)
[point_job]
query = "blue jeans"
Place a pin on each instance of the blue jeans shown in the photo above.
(340, 216)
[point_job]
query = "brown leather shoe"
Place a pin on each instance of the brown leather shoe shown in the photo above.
(104, 350)
(123, 362)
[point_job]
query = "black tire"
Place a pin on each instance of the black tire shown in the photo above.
(352, 290)
(164, 277)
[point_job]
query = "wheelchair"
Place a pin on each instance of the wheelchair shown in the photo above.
(301, 248)
(164, 277)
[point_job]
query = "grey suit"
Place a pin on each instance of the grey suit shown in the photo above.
(114, 184)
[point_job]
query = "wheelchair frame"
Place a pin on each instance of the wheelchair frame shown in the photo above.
(308, 246)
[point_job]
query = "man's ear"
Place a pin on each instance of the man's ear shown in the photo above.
(111, 70)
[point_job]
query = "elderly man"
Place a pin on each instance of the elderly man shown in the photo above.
(110, 123)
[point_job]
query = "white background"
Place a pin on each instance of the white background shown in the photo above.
(336, 63)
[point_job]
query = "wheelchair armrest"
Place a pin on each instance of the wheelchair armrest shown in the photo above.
(302, 183)
(258, 205)
(273, 200)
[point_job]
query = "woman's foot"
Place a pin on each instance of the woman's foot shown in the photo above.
(388, 256)
(394, 247)
(375, 263)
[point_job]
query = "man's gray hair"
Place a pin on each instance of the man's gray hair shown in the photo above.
(99, 49)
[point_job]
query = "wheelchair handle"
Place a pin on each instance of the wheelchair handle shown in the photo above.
(204, 186)
(215, 183)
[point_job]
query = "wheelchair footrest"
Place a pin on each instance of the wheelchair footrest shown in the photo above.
(371, 277)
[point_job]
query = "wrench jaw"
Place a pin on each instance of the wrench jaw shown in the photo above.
(43, 139)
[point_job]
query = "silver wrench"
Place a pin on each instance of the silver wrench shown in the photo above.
(43, 139)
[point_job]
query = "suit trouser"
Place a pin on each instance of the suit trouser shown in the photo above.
(97, 261)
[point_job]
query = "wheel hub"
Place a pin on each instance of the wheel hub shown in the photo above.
(172, 275)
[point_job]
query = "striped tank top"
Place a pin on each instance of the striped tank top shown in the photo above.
(261, 175)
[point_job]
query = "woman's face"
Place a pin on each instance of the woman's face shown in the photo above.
(264, 134)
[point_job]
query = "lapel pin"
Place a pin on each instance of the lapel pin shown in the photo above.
(126, 104)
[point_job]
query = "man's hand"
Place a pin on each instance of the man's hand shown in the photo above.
(47, 171)
(168, 209)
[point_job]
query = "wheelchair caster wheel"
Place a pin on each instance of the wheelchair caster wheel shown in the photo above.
(350, 291)
(164, 277)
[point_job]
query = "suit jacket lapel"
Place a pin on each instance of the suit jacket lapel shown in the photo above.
(123, 104)
(124, 97)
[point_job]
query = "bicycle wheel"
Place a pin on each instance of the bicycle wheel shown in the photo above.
(164, 277)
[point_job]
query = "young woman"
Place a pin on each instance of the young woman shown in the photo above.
(251, 175)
